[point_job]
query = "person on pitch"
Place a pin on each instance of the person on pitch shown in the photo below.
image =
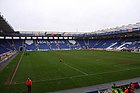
(29, 84)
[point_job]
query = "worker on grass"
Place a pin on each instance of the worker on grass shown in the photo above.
(29, 84)
(60, 59)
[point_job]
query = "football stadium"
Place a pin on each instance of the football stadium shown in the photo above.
(64, 61)
(103, 61)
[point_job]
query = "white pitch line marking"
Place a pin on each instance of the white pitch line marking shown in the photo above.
(75, 69)
(78, 76)
(16, 69)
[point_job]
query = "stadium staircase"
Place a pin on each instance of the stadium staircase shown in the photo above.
(123, 45)
(110, 47)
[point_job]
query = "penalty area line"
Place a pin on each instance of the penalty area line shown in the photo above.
(75, 69)
(55, 79)
(76, 76)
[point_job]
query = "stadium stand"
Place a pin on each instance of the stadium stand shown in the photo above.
(63, 44)
(107, 44)
(30, 45)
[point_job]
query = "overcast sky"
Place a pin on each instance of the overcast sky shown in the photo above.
(69, 15)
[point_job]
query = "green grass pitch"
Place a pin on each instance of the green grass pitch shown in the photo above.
(78, 68)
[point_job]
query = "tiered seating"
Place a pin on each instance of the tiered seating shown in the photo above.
(63, 44)
(101, 44)
(104, 43)
(96, 43)
(73, 44)
(3, 50)
(4, 47)
(83, 43)
(8, 45)
(134, 43)
(54, 44)
(30, 45)
(92, 43)
(108, 42)
(118, 43)
(18, 44)
(115, 43)
(43, 45)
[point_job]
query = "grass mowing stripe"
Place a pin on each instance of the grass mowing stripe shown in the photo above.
(15, 70)
(78, 76)
(75, 69)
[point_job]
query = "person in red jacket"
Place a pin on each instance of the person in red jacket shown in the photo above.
(129, 90)
(132, 86)
(29, 84)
